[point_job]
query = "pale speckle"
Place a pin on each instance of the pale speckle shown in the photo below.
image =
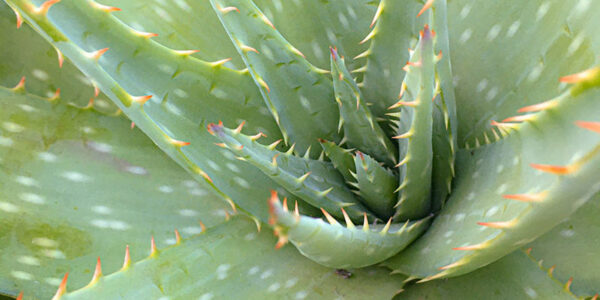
(535, 72)
(137, 170)
(100, 209)
(180, 93)
(110, 224)
(273, 287)
(32, 198)
(304, 102)
(492, 211)
(582, 6)
(514, 27)
(317, 49)
(343, 20)
(464, 12)
(502, 188)
(197, 192)
(493, 33)
(242, 182)
(448, 234)
(567, 233)
(499, 168)
(471, 196)
(250, 236)
(87, 129)
(53, 253)
(515, 161)
(301, 294)
(6, 142)
(466, 35)
(482, 85)
(39, 74)
(100, 147)
(53, 281)
(222, 271)
(163, 14)
(192, 230)
(47, 156)
(27, 108)
(21, 275)
(26, 181)
(182, 4)
(575, 44)
(232, 167)
(253, 270)
(213, 165)
(13, 127)
(531, 293)
(542, 11)
(266, 274)
(76, 176)
(207, 296)
(44, 242)
(492, 93)
(188, 212)
(459, 217)
(28, 260)
(165, 189)
(291, 282)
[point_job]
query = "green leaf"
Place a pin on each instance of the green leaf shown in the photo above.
(235, 255)
(522, 47)
(506, 194)
(516, 276)
(376, 185)
(361, 131)
(76, 184)
(571, 248)
(293, 89)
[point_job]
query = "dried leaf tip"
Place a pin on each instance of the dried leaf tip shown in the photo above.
(143, 34)
(178, 237)
(153, 250)
(127, 260)
(97, 272)
(592, 126)
(556, 170)
(19, 18)
(97, 54)
(62, 288)
(105, 8)
(141, 99)
(43, 9)
(425, 7)
(584, 76)
(20, 86)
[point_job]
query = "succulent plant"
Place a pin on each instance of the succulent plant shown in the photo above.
(348, 149)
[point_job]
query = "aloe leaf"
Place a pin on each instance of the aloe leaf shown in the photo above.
(314, 181)
(376, 185)
(361, 131)
(77, 184)
(40, 64)
(516, 276)
(511, 192)
(178, 26)
(444, 130)
(336, 246)
(570, 250)
(207, 265)
(536, 41)
(415, 131)
(341, 159)
(169, 127)
(393, 31)
(293, 89)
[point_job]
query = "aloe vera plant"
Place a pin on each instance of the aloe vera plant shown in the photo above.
(250, 149)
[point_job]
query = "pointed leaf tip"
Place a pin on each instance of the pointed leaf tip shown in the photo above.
(43, 9)
(593, 126)
(425, 7)
(62, 288)
(127, 260)
(105, 8)
(178, 237)
(20, 297)
(153, 249)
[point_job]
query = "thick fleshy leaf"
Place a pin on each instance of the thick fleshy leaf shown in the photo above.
(571, 249)
(208, 265)
(535, 42)
(77, 184)
(512, 191)
(293, 89)
(172, 123)
(516, 276)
